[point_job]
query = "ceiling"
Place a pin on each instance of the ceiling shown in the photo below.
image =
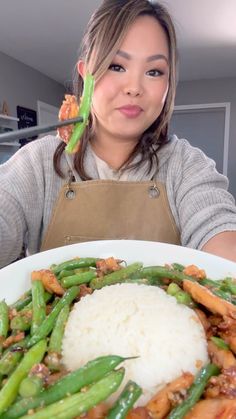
(46, 34)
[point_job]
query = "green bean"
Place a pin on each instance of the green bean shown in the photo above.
(22, 301)
(54, 303)
(48, 297)
(56, 337)
(9, 361)
(12, 356)
(146, 272)
(38, 305)
(4, 319)
(125, 402)
(217, 288)
(178, 267)
(163, 272)
(222, 294)
(225, 289)
(172, 289)
(70, 272)
(55, 341)
(64, 273)
(144, 281)
(86, 269)
(75, 405)
(10, 389)
(195, 391)
(229, 284)
(47, 325)
(183, 297)
(71, 383)
(84, 111)
(31, 386)
(74, 264)
(210, 283)
(25, 310)
(220, 343)
(78, 279)
(28, 308)
(21, 323)
(115, 277)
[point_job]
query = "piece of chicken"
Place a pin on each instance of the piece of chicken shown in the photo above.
(230, 339)
(193, 270)
(105, 266)
(97, 412)
(138, 413)
(13, 339)
(203, 319)
(69, 109)
(161, 403)
(49, 280)
(204, 296)
(223, 385)
(221, 357)
(213, 409)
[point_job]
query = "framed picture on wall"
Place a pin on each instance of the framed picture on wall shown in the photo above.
(27, 118)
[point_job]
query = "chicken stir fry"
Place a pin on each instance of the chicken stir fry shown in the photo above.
(35, 324)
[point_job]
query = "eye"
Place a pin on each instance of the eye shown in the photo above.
(155, 73)
(116, 67)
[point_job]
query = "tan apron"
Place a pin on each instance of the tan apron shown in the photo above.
(109, 210)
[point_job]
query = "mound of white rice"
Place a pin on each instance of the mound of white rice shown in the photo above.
(136, 320)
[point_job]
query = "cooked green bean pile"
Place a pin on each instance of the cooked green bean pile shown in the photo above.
(33, 379)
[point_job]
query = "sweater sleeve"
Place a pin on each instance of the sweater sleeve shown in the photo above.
(198, 195)
(21, 197)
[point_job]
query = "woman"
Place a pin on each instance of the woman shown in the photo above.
(128, 180)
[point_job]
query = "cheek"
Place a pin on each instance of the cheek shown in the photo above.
(165, 93)
(98, 102)
(159, 96)
(102, 95)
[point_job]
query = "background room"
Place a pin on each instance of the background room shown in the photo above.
(38, 49)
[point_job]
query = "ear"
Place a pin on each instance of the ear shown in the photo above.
(81, 68)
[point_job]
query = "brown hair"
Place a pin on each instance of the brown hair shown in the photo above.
(105, 31)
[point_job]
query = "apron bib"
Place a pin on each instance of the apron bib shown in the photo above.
(111, 210)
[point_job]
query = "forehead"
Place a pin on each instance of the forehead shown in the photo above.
(145, 35)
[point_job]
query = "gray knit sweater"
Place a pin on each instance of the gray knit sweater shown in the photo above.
(29, 187)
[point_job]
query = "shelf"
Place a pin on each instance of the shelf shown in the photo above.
(9, 118)
(13, 144)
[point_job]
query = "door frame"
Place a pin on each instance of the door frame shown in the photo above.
(45, 107)
(203, 106)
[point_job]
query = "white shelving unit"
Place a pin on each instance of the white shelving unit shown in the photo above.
(8, 148)
(8, 118)
(12, 144)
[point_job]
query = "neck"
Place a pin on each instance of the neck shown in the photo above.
(114, 151)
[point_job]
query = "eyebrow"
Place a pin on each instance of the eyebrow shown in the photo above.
(151, 58)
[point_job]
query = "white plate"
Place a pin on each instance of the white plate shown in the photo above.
(15, 278)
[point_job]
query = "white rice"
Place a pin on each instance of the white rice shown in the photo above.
(136, 320)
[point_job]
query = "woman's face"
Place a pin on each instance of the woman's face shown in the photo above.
(131, 94)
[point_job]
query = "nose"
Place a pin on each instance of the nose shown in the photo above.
(132, 92)
(133, 88)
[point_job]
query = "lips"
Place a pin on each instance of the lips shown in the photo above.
(131, 111)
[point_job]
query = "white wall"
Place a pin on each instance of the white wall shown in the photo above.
(22, 85)
(213, 91)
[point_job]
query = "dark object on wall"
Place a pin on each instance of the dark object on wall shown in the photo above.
(27, 118)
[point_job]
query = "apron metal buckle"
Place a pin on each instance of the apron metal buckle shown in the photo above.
(153, 192)
(69, 193)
